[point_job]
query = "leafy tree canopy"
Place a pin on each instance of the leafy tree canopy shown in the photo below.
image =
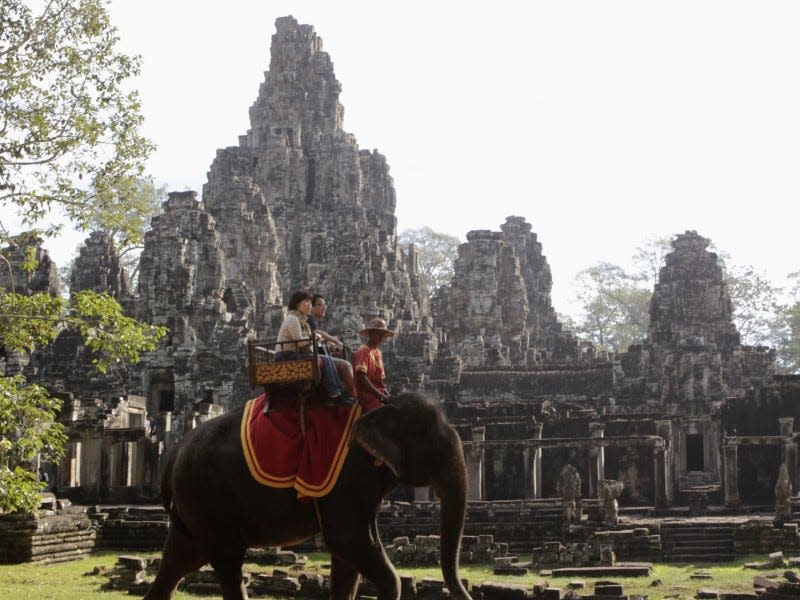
(70, 151)
(69, 128)
(436, 250)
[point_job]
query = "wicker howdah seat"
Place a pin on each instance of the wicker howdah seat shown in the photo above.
(264, 370)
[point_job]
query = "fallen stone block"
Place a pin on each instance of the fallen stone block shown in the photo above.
(776, 559)
(553, 593)
(539, 587)
(576, 584)
(136, 563)
(707, 594)
(759, 581)
(264, 584)
(789, 587)
(510, 570)
(201, 588)
(501, 591)
(611, 589)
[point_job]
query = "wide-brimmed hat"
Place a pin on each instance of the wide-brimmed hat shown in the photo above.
(377, 324)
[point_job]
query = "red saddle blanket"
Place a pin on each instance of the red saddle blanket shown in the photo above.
(279, 455)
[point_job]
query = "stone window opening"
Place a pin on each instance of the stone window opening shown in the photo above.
(166, 400)
(229, 300)
(694, 452)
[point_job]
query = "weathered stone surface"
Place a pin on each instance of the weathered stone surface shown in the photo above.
(497, 311)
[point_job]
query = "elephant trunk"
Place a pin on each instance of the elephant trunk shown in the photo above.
(451, 487)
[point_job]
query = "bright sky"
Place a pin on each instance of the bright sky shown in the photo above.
(602, 123)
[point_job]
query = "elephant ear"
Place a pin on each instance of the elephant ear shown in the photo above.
(379, 432)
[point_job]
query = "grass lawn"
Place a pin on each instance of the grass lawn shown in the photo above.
(66, 581)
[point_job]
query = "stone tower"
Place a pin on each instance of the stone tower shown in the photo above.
(497, 310)
(296, 203)
(691, 328)
(98, 268)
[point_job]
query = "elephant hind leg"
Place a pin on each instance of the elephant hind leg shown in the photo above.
(181, 556)
(344, 579)
(228, 568)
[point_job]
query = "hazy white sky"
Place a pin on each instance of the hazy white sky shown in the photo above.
(602, 123)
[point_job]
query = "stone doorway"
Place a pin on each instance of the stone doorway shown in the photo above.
(694, 452)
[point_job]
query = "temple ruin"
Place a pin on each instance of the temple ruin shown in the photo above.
(688, 417)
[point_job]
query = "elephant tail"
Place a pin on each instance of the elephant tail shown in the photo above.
(166, 481)
(166, 494)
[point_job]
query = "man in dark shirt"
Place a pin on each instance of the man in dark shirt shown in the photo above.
(315, 316)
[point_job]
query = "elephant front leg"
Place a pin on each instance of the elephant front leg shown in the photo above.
(344, 579)
(367, 557)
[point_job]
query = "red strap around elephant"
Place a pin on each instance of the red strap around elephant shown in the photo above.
(279, 456)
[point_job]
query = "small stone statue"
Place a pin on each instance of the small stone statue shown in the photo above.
(783, 492)
(610, 490)
(569, 488)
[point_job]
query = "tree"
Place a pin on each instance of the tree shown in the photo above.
(759, 313)
(70, 151)
(437, 251)
(789, 350)
(69, 130)
(28, 431)
(614, 307)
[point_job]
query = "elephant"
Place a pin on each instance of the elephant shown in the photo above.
(217, 510)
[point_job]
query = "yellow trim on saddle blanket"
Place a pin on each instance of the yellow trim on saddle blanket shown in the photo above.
(303, 488)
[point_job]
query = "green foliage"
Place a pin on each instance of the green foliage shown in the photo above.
(70, 130)
(70, 147)
(126, 222)
(759, 313)
(108, 332)
(27, 430)
(437, 251)
(28, 321)
(614, 307)
(789, 352)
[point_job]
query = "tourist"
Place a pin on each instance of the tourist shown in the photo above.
(295, 328)
(368, 362)
(318, 309)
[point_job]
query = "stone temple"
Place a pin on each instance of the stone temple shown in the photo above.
(688, 417)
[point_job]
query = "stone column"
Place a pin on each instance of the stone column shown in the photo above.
(596, 459)
(659, 477)
(106, 465)
(664, 431)
(789, 449)
(475, 465)
(730, 465)
(536, 466)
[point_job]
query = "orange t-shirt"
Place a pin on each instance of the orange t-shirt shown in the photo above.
(369, 361)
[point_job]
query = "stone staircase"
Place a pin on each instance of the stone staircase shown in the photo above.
(697, 542)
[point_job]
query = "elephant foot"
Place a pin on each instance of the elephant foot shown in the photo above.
(181, 556)
(228, 568)
(344, 580)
